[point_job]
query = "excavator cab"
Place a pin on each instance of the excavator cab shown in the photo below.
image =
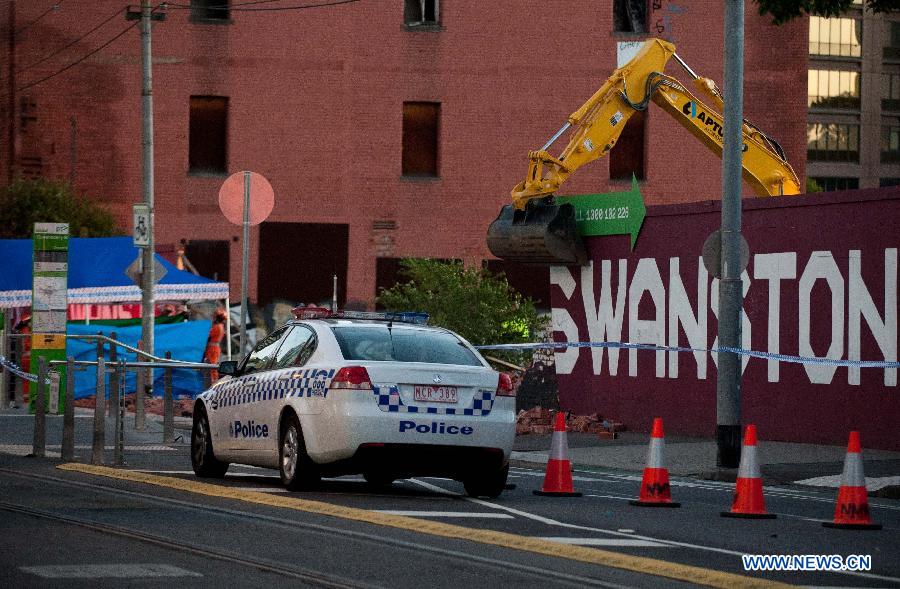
(544, 233)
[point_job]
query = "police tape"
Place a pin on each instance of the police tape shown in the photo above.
(652, 347)
(4, 363)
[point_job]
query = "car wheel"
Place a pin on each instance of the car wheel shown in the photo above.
(378, 479)
(298, 471)
(486, 483)
(203, 460)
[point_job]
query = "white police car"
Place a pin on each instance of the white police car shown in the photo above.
(343, 393)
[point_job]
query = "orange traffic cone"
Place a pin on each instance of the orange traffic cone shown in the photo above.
(558, 479)
(852, 509)
(748, 492)
(655, 490)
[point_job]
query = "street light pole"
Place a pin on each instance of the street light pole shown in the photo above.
(728, 384)
(147, 260)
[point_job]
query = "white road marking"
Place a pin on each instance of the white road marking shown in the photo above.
(261, 489)
(834, 481)
(620, 497)
(444, 514)
(619, 542)
(553, 522)
(98, 571)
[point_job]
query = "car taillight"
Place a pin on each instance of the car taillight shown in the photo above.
(351, 377)
(505, 386)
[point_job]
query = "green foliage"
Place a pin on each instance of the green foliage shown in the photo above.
(812, 186)
(26, 202)
(783, 11)
(474, 303)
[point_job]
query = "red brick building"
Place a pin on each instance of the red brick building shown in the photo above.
(387, 129)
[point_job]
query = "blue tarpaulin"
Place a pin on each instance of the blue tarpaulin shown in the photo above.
(97, 274)
(182, 339)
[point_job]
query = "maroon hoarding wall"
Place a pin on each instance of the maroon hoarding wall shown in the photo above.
(821, 281)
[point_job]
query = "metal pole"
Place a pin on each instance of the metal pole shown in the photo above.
(334, 294)
(68, 437)
(227, 329)
(19, 382)
(119, 446)
(113, 377)
(40, 423)
(4, 351)
(11, 84)
(147, 270)
(168, 408)
(140, 421)
(728, 385)
(99, 441)
(245, 262)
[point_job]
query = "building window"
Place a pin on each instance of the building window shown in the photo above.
(421, 125)
(890, 91)
(832, 142)
(892, 40)
(210, 10)
(630, 16)
(890, 144)
(418, 13)
(208, 135)
(887, 182)
(833, 89)
(627, 156)
(832, 184)
(835, 36)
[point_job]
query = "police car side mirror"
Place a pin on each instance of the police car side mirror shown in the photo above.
(228, 367)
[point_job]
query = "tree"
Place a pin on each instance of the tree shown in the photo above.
(26, 202)
(783, 11)
(473, 302)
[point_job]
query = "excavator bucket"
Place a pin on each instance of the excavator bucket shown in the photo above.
(541, 234)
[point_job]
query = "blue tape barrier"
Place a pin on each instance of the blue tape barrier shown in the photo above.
(4, 363)
(739, 351)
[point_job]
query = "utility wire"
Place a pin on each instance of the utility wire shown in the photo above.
(237, 7)
(55, 6)
(74, 63)
(60, 50)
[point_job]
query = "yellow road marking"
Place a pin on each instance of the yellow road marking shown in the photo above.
(639, 564)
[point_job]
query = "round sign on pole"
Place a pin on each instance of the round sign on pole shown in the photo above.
(231, 198)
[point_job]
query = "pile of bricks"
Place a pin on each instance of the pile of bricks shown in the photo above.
(539, 420)
(183, 407)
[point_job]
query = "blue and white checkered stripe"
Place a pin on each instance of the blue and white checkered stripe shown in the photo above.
(389, 400)
(310, 382)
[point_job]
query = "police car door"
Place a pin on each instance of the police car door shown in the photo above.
(241, 427)
(287, 382)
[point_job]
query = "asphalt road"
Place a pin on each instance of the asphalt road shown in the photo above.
(246, 530)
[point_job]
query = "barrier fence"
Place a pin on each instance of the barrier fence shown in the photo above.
(116, 368)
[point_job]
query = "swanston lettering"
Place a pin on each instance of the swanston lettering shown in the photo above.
(626, 301)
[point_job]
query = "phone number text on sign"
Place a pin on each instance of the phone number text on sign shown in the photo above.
(605, 214)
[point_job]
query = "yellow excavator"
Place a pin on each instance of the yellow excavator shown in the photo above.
(535, 229)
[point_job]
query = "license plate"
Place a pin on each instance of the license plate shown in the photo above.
(431, 394)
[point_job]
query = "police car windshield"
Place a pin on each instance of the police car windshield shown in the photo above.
(402, 344)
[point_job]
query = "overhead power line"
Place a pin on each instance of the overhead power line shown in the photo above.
(242, 7)
(71, 43)
(81, 59)
(55, 6)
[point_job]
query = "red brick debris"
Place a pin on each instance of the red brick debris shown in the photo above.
(183, 407)
(539, 420)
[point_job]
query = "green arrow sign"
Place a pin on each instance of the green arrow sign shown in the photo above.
(614, 213)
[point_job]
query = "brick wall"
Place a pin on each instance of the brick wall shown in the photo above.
(315, 105)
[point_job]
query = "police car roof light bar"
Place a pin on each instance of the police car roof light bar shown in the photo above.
(413, 317)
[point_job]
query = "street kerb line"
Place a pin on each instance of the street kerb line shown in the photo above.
(553, 522)
(638, 564)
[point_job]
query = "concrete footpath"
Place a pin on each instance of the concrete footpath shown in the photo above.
(782, 463)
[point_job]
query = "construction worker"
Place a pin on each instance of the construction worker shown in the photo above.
(213, 343)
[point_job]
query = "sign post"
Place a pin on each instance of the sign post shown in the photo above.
(49, 305)
(246, 199)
